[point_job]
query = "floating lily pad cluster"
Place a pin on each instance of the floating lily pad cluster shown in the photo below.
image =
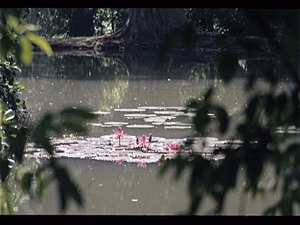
(107, 148)
(119, 147)
(149, 117)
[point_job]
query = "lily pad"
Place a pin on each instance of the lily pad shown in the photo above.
(165, 112)
(152, 107)
(130, 110)
(95, 124)
(138, 115)
(139, 126)
(155, 119)
(176, 124)
(157, 123)
(177, 127)
(190, 114)
(100, 113)
(211, 115)
(169, 117)
(109, 124)
(180, 108)
(107, 148)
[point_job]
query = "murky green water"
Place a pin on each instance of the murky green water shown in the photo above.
(141, 105)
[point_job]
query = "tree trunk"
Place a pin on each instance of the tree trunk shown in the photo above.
(148, 26)
(34, 16)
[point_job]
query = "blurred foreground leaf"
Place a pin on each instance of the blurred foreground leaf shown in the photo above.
(40, 42)
(228, 65)
(18, 145)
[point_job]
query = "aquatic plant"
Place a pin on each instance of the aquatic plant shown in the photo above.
(142, 163)
(119, 133)
(141, 141)
(172, 146)
(119, 161)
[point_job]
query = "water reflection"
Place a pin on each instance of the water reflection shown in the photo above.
(72, 67)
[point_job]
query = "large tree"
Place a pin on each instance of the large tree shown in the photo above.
(149, 26)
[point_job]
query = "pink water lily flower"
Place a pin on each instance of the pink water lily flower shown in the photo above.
(118, 161)
(142, 164)
(119, 133)
(141, 141)
(172, 147)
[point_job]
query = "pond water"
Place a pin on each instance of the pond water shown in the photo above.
(141, 103)
(111, 189)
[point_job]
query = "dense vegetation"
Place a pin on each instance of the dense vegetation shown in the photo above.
(72, 22)
(68, 22)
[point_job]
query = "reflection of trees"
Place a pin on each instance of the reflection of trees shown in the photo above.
(73, 67)
(112, 96)
(138, 64)
(51, 94)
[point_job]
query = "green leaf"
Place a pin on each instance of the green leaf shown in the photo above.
(46, 144)
(208, 94)
(286, 207)
(7, 200)
(223, 119)
(9, 114)
(18, 145)
(193, 104)
(80, 113)
(43, 125)
(74, 126)
(26, 182)
(26, 50)
(13, 21)
(6, 141)
(251, 109)
(201, 120)
(66, 187)
(228, 65)
(196, 200)
(255, 164)
(270, 211)
(40, 132)
(4, 169)
(41, 185)
(40, 42)
(6, 44)
(251, 81)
